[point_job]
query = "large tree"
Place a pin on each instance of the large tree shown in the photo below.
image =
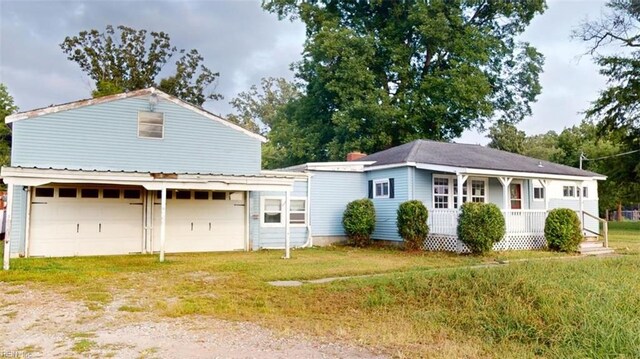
(381, 73)
(123, 59)
(7, 107)
(614, 43)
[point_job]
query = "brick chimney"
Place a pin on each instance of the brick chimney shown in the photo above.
(354, 156)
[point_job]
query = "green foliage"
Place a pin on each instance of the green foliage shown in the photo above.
(480, 226)
(412, 224)
(126, 61)
(562, 229)
(382, 73)
(7, 107)
(505, 136)
(359, 221)
(264, 111)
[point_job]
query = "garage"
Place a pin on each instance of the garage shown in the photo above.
(80, 221)
(201, 221)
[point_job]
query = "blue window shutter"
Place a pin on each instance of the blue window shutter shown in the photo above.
(370, 189)
(391, 188)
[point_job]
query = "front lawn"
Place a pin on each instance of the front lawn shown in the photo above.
(427, 304)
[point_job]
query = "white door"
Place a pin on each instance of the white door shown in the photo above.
(201, 221)
(80, 221)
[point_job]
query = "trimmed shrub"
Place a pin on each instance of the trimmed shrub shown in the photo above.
(359, 221)
(412, 224)
(563, 231)
(480, 226)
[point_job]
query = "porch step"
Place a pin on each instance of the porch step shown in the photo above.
(594, 248)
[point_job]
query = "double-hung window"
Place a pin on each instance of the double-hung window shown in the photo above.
(381, 188)
(455, 192)
(445, 191)
(150, 124)
(298, 211)
(568, 191)
(478, 191)
(538, 193)
(440, 192)
(585, 192)
(272, 211)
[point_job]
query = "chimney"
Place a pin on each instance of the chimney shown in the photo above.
(354, 156)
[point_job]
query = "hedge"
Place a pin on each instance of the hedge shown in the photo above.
(480, 226)
(563, 230)
(412, 224)
(359, 221)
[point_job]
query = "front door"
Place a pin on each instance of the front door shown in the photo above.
(515, 193)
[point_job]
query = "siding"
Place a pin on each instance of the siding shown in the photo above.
(387, 208)
(423, 185)
(330, 194)
(590, 206)
(262, 237)
(105, 137)
(18, 219)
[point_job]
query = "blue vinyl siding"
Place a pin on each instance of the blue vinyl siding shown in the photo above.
(105, 137)
(423, 181)
(19, 217)
(330, 194)
(387, 208)
(264, 237)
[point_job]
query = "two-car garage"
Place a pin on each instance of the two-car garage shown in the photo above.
(69, 220)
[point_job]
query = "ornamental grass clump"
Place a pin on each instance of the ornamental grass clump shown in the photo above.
(412, 224)
(359, 221)
(562, 229)
(480, 226)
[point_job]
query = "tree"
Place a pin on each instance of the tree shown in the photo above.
(7, 107)
(506, 136)
(617, 109)
(265, 111)
(127, 61)
(381, 73)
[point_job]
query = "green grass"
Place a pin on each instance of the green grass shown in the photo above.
(426, 305)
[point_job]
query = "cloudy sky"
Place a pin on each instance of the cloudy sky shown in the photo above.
(245, 43)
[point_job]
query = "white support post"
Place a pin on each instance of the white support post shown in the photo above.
(460, 179)
(287, 227)
(505, 181)
(7, 231)
(28, 222)
(163, 220)
(580, 194)
(544, 184)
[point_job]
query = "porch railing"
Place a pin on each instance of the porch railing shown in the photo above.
(443, 221)
(522, 221)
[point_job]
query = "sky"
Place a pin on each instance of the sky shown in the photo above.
(245, 43)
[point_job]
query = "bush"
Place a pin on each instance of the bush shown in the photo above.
(359, 221)
(563, 230)
(412, 224)
(480, 226)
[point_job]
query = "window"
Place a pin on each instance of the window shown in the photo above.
(515, 195)
(455, 192)
(89, 193)
(110, 193)
(585, 192)
(538, 193)
(44, 192)
(132, 193)
(568, 191)
(272, 211)
(151, 124)
(200, 195)
(298, 211)
(183, 194)
(169, 194)
(478, 191)
(67, 193)
(440, 192)
(220, 196)
(381, 188)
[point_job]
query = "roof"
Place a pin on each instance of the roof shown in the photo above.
(137, 93)
(469, 156)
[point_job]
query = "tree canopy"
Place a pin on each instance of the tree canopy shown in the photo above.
(123, 59)
(7, 107)
(381, 73)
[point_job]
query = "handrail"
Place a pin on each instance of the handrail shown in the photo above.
(605, 227)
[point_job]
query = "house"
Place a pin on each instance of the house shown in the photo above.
(144, 172)
(141, 172)
(442, 175)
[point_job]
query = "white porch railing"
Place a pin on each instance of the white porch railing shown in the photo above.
(443, 221)
(525, 221)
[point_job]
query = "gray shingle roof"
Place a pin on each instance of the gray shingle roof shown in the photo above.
(469, 156)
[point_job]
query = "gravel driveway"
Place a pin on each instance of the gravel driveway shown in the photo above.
(45, 324)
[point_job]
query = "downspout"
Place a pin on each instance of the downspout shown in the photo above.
(309, 242)
(28, 222)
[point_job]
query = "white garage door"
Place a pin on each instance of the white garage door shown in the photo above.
(201, 221)
(72, 221)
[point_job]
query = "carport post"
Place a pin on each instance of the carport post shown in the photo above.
(7, 232)
(163, 219)
(287, 229)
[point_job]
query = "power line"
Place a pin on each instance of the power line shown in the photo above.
(584, 158)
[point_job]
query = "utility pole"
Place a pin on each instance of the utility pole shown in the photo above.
(581, 158)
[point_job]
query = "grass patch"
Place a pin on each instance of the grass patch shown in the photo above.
(625, 237)
(130, 308)
(83, 346)
(30, 349)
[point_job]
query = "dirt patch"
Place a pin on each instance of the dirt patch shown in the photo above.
(39, 323)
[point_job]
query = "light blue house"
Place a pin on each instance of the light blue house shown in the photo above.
(144, 172)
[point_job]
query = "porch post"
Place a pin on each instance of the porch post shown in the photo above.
(505, 181)
(581, 199)
(7, 231)
(287, 229)
(546, 194)
(163, 219)
(461, 179)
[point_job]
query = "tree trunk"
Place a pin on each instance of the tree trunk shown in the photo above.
(619, 211)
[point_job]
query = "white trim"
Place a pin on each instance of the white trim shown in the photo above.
(343, 166)
(470, 196)
(454, 196)
(163, 126)
(121, 96)
(306, 208)
(27, 234)
(449, 191)
(381, 181)
(263, 199)
(8, 225)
